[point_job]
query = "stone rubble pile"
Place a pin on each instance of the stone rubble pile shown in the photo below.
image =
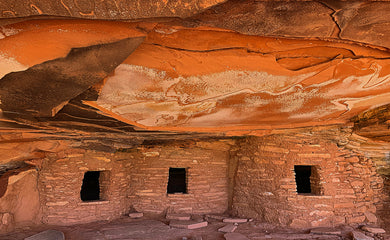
(185, 221)
(226, 225)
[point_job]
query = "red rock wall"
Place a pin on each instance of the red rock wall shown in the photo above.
(138, 180)
(19, 206)
(265, 186)
(384, 206)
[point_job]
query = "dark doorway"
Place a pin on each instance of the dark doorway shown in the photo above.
(302, 178)
(177, 181)
(90, 190)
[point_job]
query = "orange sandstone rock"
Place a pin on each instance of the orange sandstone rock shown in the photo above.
(232, 80)
(32, 42)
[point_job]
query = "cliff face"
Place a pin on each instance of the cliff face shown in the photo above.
(178, 70)
(238, 65)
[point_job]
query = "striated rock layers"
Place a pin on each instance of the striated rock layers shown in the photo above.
(76, 87)
(197, 79)
(117, 9)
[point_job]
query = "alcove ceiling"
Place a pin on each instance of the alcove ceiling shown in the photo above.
(207, 66)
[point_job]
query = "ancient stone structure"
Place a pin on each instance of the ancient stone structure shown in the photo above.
(271, 110)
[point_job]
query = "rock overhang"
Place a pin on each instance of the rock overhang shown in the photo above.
(209, 73)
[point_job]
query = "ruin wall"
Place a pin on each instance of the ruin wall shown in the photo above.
(137, 182)
(347, 187)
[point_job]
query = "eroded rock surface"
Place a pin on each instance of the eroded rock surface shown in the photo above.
(44, 89)
(198, 75)
(231, 80)
(128, 9)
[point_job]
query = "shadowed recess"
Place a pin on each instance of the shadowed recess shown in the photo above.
(374, 123)
(44, 89)
(9, 169)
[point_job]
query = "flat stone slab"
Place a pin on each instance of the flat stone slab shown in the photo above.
(228, 228)
(133, 230)
(290, 236)
(217, 217)
(235, 220)
(136, 215)
(187, 224)
(325, 231)
(47, 235)
(235, 236)
(373, 230)
(360, 236)
(293, 236)
(178, 216)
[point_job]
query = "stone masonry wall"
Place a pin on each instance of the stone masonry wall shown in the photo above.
(265, 186)
(384, 206)
(137, 181)
(207, 181)
(60, 183)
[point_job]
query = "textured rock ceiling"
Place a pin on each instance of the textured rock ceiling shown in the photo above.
(105, 9)
(204, 66)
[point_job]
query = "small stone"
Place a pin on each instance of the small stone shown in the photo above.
(235, 220)
(151, 154)
(235, 236)
(373, 230)
(325, 231)
(228, 228)
(357, 184)
(6, 219)
(47, 235)
(299, 223)
(358, 219)
(371, 217)
(176, 216)
(136, 215)
(187, 224)
(360, 236)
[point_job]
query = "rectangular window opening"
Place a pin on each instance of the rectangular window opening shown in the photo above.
(307, 180)
(177, 181)
(95, 184)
